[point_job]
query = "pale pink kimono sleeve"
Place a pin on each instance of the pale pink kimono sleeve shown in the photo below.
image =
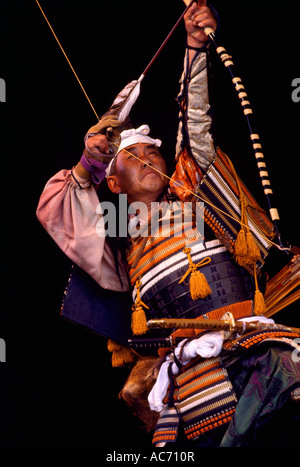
(70, 215)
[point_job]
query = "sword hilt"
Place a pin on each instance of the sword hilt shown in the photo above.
(227, 324)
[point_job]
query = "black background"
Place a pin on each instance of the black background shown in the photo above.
(57, 387)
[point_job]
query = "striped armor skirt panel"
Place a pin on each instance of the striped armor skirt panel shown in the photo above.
(203, 400)
(167, 297)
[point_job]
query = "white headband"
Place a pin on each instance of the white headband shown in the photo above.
(134, 136)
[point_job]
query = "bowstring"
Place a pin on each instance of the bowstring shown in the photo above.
(67, 58)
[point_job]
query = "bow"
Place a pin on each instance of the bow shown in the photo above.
(116, 118)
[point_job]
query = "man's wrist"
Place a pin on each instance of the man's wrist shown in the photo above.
(82, 173)
(94, 168)
(195, 44)
(194, 47)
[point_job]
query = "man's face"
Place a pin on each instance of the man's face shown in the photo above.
(135, 178)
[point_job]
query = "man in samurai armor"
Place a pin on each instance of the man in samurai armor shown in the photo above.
(190, 386)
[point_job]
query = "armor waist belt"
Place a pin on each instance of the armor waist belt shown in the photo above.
(166, 298)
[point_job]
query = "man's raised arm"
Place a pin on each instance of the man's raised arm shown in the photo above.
(194, 117)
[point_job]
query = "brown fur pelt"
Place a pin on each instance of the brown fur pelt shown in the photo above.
(137, 387)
